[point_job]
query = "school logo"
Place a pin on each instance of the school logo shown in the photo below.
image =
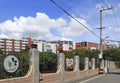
(11, 63)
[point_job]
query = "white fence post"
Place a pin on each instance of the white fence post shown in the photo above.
(62, 67)
(93, 63)
(86, 61)
(76, 64)
(34, 61)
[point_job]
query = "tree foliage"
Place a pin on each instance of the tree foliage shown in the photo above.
(23, 65)
(82, 53)
(48, 62)
(113, 55)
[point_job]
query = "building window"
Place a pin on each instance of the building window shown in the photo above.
(42, 47)
(84, 44)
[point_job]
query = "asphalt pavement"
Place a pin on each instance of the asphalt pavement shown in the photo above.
(112, 77)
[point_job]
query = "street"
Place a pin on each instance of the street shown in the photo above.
(112, 77)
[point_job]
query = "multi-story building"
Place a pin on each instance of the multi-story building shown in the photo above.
(66, 46)
(15, 44)
(46, 46)
(90, 46)
(52, 47)
(112, 46)
(41, 45)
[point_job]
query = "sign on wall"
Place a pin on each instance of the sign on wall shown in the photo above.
(11, 64)
(69, 63)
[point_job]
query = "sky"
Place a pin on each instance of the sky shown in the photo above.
(43, 20)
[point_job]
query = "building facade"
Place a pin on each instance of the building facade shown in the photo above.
(45, 46)
(66, 46)
(15, 44)
(90, 46)
(42, 45)
(48, 46)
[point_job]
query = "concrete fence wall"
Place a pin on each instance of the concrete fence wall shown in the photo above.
(33, 73)
(61, 76)
(26, 79)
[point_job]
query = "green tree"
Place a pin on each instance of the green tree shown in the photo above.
(82, 53)
(112, 55)
(48, 62)
(23, 65)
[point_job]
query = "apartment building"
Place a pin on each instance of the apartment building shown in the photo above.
(66, 46)
(15, 44)
(42, 45)
(47, 46)
(54, 46)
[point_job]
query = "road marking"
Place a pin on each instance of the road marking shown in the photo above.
(91, 78)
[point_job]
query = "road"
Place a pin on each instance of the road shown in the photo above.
(112, 77)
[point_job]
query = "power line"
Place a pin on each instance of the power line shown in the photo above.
(113, 20)
(105, 14)
(105, 4)
(114, 17)
(74, 18)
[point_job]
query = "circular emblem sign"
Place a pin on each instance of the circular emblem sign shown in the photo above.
(11, 63)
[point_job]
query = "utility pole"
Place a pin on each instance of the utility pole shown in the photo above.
(101, 32)
(119, 43)
(101, 48)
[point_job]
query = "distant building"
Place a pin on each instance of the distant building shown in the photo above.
(45, 46)
(54, 46)
(112, 46)
(15, 44)
(41, 45)
(48, 46)
(90, 46)
(66, 46)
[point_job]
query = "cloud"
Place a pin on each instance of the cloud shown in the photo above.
(38, 27)
(113, 29)
(74, 29)
(98, 6)
(3, 36)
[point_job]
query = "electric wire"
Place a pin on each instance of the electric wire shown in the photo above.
(74, 18)
(102, 9)
(113, 22)
(84, 12)
(80, 22)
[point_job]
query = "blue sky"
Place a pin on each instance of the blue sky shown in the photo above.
(41, 19)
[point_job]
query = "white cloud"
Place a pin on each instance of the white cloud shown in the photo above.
(74, 29)
(116, 30)
(3, 36)
(39, 27)
(98, 6)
